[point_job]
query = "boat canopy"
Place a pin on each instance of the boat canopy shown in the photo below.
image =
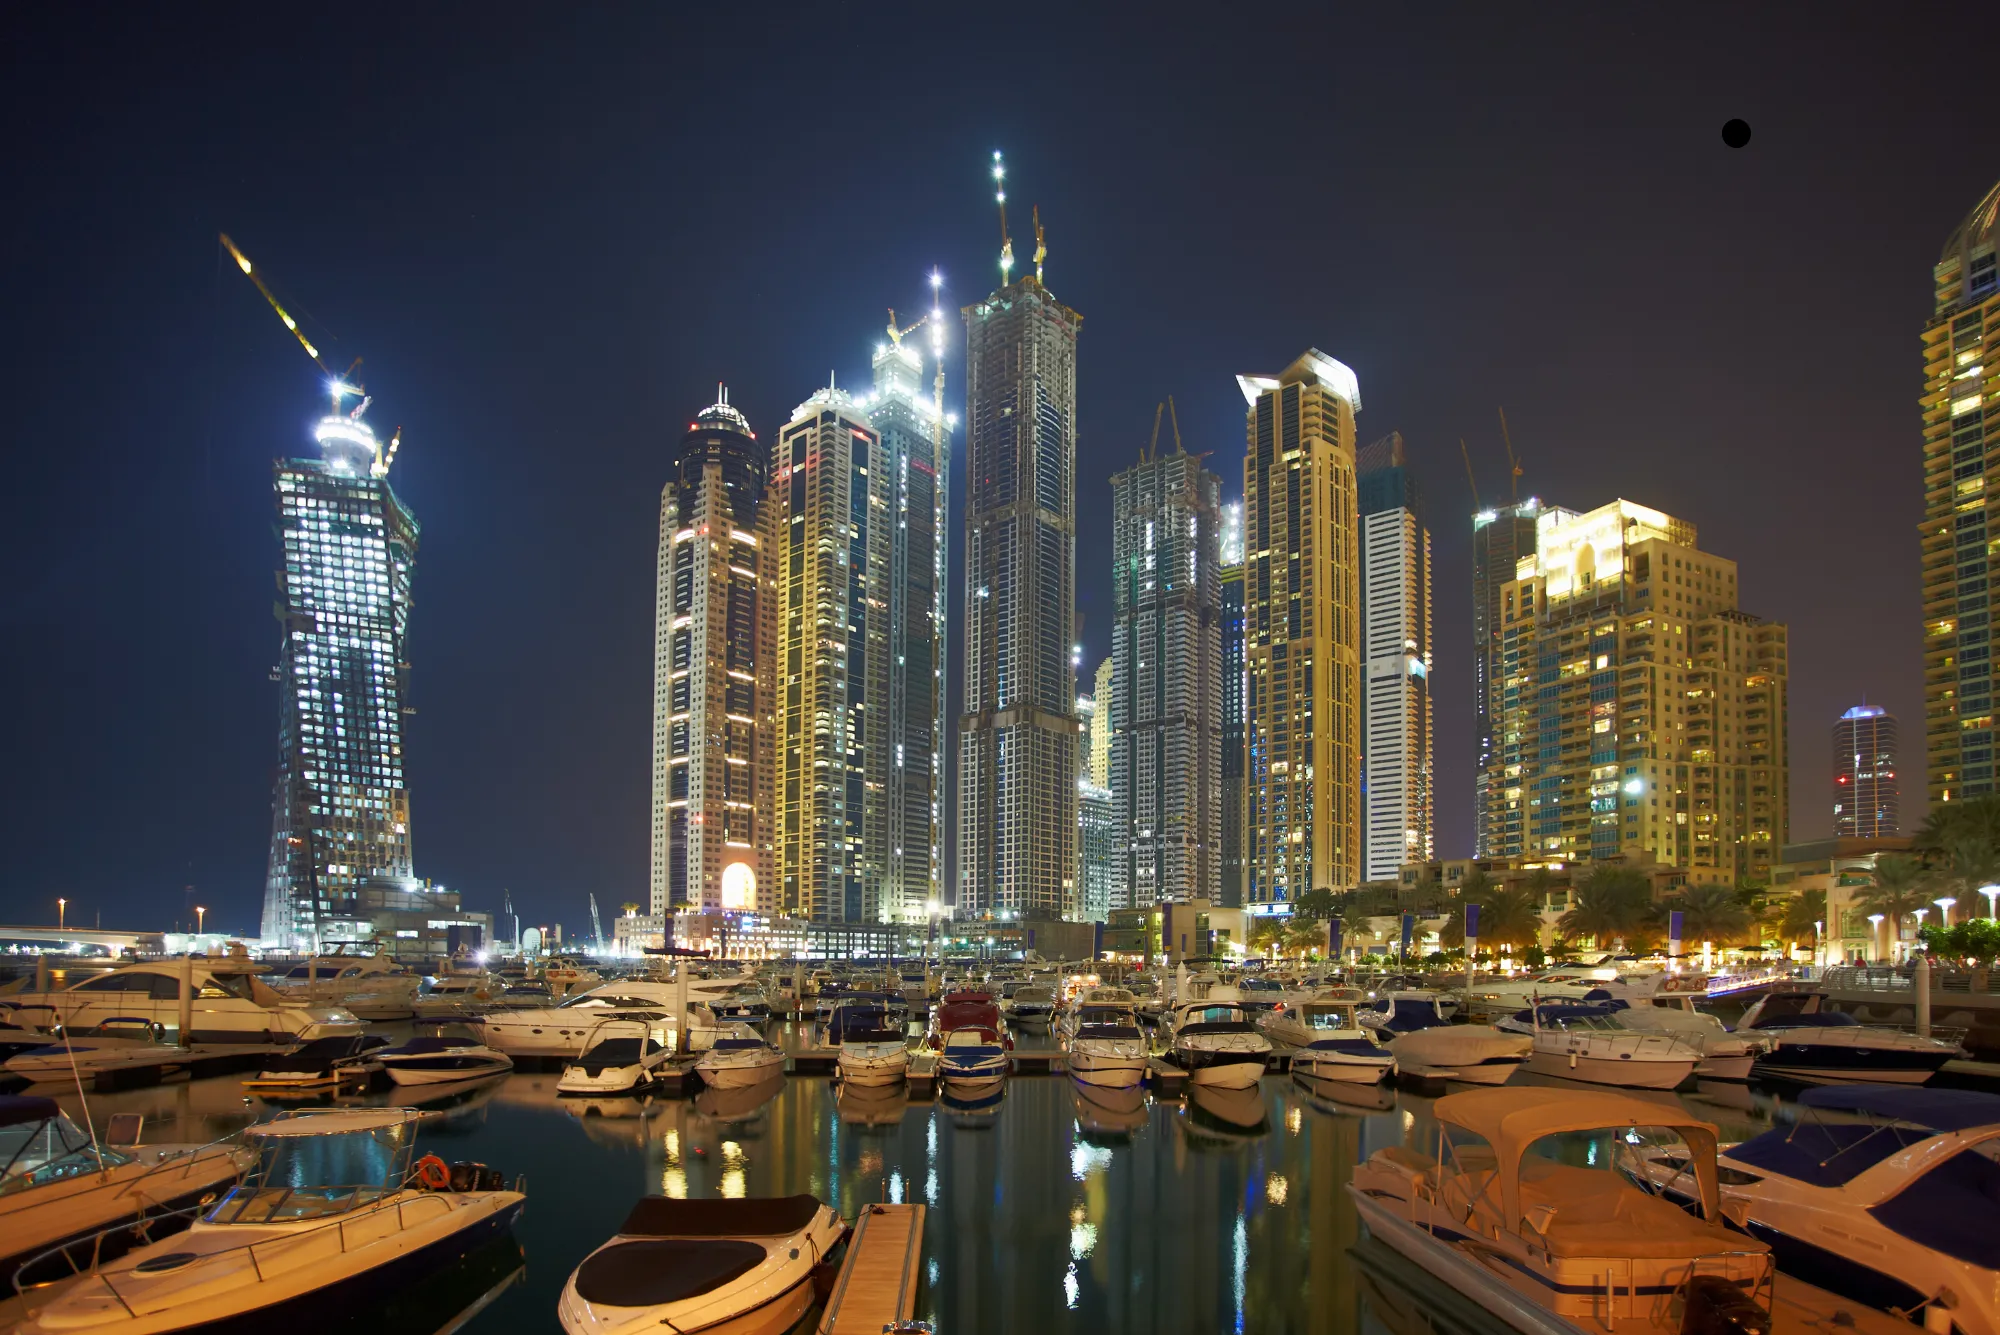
(1512, 1119)
(1938, 1109)
(332, 1121)
(18, 1108)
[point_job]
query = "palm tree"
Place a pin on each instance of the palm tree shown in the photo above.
(1267, 935)
(1711, 913)
(1901, 888)
(1510, 917)
(1949, 823)
(1799, 917)
(1607, 902)
(1303, 937)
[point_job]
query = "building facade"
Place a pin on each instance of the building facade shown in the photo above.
(1098, 864)
(1017, 733)
(917, 453)
(340, 804)
(1866, 797)
(1233, 691)
(1302, 641)
(1396, 760)
(1102, 697)
(1500, 538)
(831, 501)
(1642, 712)
(714, 626)
(1166, 725)
(1961, 423)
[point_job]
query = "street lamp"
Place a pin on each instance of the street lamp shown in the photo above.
(62, 913)
(1944, 904)
(200, 917)
(1989, 891)
(1875, 934)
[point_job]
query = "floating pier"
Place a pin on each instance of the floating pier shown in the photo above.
(877, 1286)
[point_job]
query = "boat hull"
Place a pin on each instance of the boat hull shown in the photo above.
(444, 1075)
(1832, 1064)
(867, 1069)
(1623, 1074)
(1229, 1071)
(740, 1076)
(65, 1211)
(1345, 1069)
(1103, 1070)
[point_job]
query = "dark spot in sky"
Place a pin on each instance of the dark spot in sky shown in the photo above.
(1736, 133)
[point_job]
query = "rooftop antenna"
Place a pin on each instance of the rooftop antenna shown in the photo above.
(1466, 455)
(1513, 465)
(1041, 248)
(1000, 198)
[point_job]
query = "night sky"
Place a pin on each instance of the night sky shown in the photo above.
(551, 235)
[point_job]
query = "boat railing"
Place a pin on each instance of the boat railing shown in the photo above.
(141, 1229)
(184, 1159)
(1944, 978)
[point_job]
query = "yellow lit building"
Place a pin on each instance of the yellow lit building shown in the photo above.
(1302, 639)
(1961, 410)
(1641, 712)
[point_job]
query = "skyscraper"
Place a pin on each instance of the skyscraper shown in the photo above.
(1500, 538)
(1017, 734)
(916, 451)
(340, 805)
(1396, 662)
(832, 496)
(1961, 347)
(1642, 710)
(714, 625)
(1302, 638)
(1233, 692)
(1105, 692)
(1866, 796)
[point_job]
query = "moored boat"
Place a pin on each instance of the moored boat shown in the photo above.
(1476, 1054)
(436, 1059)
(617, 1058)
(740, 1061)
(1588, 1043)
(1215, 1043)
(1813, 1045)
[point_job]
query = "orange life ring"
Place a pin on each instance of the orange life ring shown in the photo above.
(433, 1172)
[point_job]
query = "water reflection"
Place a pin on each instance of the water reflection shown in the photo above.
(1055, 1206)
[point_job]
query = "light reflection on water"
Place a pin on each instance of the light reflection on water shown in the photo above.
(1053, 1207)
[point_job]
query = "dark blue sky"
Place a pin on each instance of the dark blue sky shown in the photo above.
(550, 234)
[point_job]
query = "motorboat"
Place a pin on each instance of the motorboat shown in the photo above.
(1588, 1043)
(59, 1188)
(1106, 1047)
(1531, 1207)
(558, 1031)
(872, 1050)
(963, 1008)
(1725, 1055)
(371, 987)
(116, 1044)
(1881, 1193)
(732, 1267)
(1813, 1045)
(1098, 1005)
(740, 1061)
(1494, 998)
(566, 976)
(973, 1055)
(456, 994)
(436, 1059)
(733, 1000)
(524, 994)
(618, 1058)
(1359, 1059)
(193, 1001)
(1403, 1011)
(350, 1061)
(1215, 1043)
(1328, 1014)
(1029, 1004)
(333, 1213)
(1478, 1054)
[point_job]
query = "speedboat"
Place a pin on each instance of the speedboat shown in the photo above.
(226, 1003)
(334, 1212)
(436, 1059)
(104, 1048)
(1813, 1045)
(456, 994)
(1477, 1054)
(1403, 1012)
(872, 1052)
(1106, 1048)
(348, 1062)
(962, 1008)
(1507, 1212)
(1588, 1043)
(1724, 1055)
(732, 1267)
(568, 976)
(617, 1058)
(557, 1031)
(1358, 1060)
(1098, 1005)
(1895, 1209)
(1330, 1014)
(371, 987)
(973, 1055)
(59, 1187)
(1215, 1043)
(740, 1061)
(1029, 1004)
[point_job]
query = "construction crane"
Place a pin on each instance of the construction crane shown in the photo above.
(1472, 481)
(1153, 446)
(1513, 465)
(1041, 247)
(596, 927)
(1000, 198)
(250, 272)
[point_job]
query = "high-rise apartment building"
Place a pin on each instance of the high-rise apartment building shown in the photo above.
(1500, 538)
(1017, 734)
(1166, 725)
(714, 629)
(1105, 692)
(1233, 692)
(1302, 640)
(1961, 417)
(340, 805)
(916, 450)
(1642, 711)
(1866, 796)
(832, 498)
(1396, 757)
(1098, 861)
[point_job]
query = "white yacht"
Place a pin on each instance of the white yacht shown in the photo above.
(371, 987)
(1724, 1055)
(1329, 1014)
(1098, 1005)
(1029, 1004)
(872, 1051)
(566, 977)
(1477, 1054)
(1215, 1043)
(1813, 1045)
(740, 1061)
(1102, 1042)
(334, 1212)
(223, 999)
(556, 1031)
(618, 1058)
(1589, 1043)
(457, 994)
(437, 1059)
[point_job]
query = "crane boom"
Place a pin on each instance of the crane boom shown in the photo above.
(1472, 481)
(250, 272)
(1173, 415)
(1513, 465)
(596, 927)
(1153, 446)
(1000, 198)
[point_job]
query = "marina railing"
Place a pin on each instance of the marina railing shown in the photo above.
(1944, 978)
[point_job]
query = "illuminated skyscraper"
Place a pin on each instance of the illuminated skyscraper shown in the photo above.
(1233, 690)
(916, 451)
(1866, 796)
(1642, 710)
(1961, 417)
(1166, 724)
(1017, 734)
(832, 498)
(1396, 662)
(1302, 640)
(713, 629)
(1500, 538)
(340, 807)
(1105, 692)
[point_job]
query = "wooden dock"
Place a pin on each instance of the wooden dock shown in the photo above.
(1165, 1077)
(877, 1286)
(1039, 1061)
(923, 1075)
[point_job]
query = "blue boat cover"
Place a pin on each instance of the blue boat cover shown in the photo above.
(1825, 1154)
(1937, 1109)
(1409, 1014)
(1951, 1208)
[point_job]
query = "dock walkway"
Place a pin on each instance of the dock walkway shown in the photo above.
(877, 1286)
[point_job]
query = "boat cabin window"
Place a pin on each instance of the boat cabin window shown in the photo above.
(1329, 1017)
(1108, 1031)
(309, 1176)
(1214, 1015)
(221, 986)
(123, 981)
(37, 1152)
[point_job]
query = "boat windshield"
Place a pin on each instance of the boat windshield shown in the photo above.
(310, 1175)
(1108, 1031)
(1330, 1017)
(1213, 1015)
(34, 1153)
(619, 1051)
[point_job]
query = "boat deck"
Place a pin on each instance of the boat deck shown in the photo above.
(877, 1285)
